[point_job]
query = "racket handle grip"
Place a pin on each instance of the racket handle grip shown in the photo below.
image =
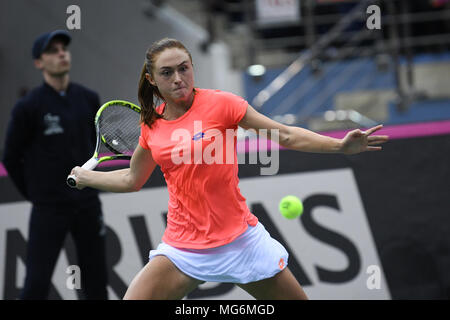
(89, 165)
(71, 181)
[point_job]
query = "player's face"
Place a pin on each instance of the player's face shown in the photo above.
(55, 60)
(173, 74)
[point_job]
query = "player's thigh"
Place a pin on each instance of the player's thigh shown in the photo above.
(282, 286)
(160, 279)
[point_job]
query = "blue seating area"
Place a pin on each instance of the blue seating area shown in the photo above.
(313, 94)
(430, 110)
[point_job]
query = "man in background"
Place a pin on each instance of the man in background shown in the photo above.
(51, 130)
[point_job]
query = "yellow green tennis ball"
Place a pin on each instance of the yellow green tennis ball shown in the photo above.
(291, 207)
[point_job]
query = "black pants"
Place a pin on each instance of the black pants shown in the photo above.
(48, 228)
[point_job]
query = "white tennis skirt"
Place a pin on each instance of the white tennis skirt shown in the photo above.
(253, 256)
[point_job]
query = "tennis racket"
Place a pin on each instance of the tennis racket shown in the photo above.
(118, 129)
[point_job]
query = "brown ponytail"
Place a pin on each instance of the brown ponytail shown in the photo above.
(146, 91)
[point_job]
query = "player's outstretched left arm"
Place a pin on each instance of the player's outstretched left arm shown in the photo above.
(357, 141)
(301, 139)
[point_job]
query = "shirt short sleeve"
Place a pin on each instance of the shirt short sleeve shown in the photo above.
(143, 137)
(234, 107)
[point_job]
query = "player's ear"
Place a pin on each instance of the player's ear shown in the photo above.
(38, 64)
(150, 79)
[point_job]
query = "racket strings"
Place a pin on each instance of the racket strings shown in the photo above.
(120, 128)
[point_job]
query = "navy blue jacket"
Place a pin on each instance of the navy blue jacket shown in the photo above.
(48, 134)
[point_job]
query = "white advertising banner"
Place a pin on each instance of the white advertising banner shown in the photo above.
(331, 243)
(277, 11)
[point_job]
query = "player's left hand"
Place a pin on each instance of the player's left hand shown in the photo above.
(357, 141)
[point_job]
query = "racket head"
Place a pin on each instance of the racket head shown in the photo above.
(117, 123)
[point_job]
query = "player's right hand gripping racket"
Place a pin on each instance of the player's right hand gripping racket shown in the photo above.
(118, 129)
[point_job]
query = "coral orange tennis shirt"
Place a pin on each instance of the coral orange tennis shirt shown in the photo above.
(197, 155)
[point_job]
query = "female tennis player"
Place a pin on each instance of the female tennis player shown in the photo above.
(211, 235)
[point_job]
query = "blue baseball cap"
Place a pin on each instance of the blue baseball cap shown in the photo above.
(41, 43)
